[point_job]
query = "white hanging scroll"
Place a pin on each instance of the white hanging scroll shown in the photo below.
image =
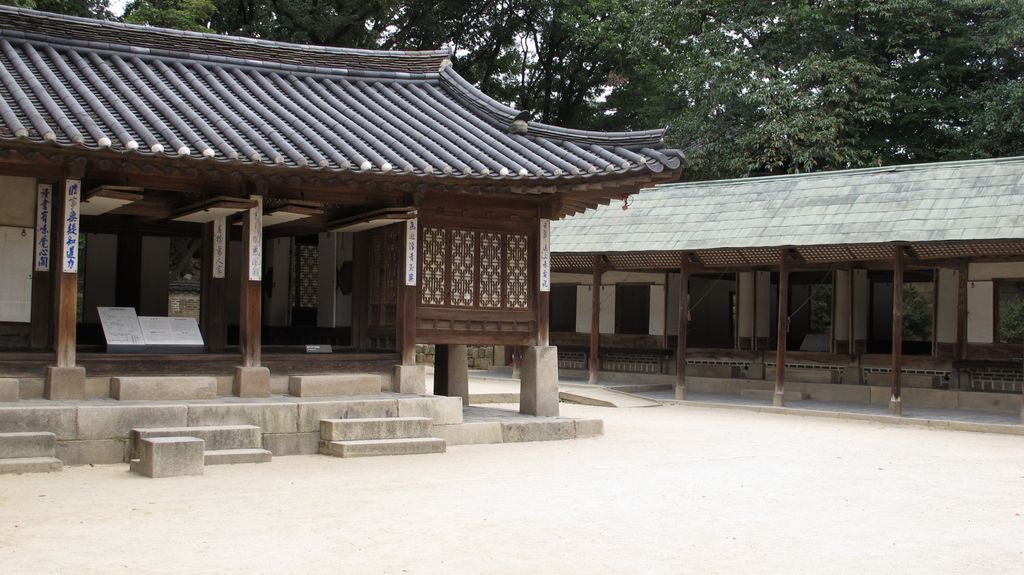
(72, 199)
(44, 197)
(411, 234)
(220, 247)
(256, 240)
(545, 255)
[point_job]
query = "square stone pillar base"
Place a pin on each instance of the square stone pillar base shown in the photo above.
(895, 406)
(680, 391)
(538, 394)
(410, 379)
(458, 372)
(779, 398)
(64, 383)
(251, 382)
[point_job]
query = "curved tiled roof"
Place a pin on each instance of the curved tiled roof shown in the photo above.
(943, 202)
(106, 86)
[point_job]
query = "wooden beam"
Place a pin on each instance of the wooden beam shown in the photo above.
(595, 319)
(783, 330)
(897, 331)
(683, 323)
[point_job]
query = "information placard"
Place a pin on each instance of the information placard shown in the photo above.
(171, 334)
(121, 329)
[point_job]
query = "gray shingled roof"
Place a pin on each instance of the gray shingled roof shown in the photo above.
(972, 200)
(106, 86)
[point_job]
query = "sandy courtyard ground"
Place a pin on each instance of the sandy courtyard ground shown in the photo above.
(666, 490)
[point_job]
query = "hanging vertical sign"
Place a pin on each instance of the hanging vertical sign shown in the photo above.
(220, 247)
(256, 240)
(72, 199)
(545, 255)
(44, 193)
(411, 233)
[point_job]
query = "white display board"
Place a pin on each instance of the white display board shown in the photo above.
(121, 328)
(15, 274)
(174, 334)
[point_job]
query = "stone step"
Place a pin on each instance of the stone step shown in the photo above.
(169, 456)
(27, 444)
(768, 394)
(217, 437)
(163, 387)
(378, 447)
(231, 456)
(30, 465)
(374, 428)
(335, 384)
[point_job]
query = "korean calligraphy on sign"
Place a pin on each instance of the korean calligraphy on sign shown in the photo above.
(411, 238)
(220, 247)
(545, 255)
(44, 196)
(256, 240)
(72, 199)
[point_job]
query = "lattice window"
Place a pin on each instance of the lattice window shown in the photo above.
(490, 269)
(517, 285)
(435, 250)
(383, 294)
(463, 268)
(308, 274)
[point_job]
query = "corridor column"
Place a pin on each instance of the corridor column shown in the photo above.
(684, 306)
(895, 404)
(595, 320)
(783, 331)
(251, 379)
(64, 380)
(409, 377)
(213, 297)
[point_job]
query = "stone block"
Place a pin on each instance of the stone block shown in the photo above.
(27, 444)
(278, 385)
(163, 388)
(170, 457)
(374, 428)
(61, 421)
(381, 447)
(333, 385)
(269, 417)
(30, 465)
(92, 451)
(442, 410)
(97, 387)
(539, 381)
(410, 379)
(9, 389)
(291, 443)
(471, 433)
(64, 383)
(311, 413)
(589, 428)
(217, 437)
(550, 430)
(251, 382)
(226, 384)
(233, 456)
(32, 387)
(108, 422)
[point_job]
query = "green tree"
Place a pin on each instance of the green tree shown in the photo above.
(194, 15)
(85, 8)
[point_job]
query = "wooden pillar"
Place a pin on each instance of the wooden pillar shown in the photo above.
(595, 319)
(213, 302)
(251, 378)
(41, 325)
(544, 282)
(753, 319)
(441, 369)
(64, 380)
(407, 292)
(895, 405)
(852, 309)
(783, 331)
(961, 312)
(684, 313)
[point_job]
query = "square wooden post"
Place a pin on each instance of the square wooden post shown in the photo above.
(895, 403)
(683, 324)
(409, 377)
(251, 378)
(64, 380)
(595, 321)
(783, 331)
(212, 310)
(42, 275)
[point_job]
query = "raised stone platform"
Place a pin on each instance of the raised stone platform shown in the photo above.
(333, 385)
(28, 452)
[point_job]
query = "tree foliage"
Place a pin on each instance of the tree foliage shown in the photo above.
(746, 86)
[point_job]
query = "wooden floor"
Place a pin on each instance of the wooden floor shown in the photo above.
(33, 364)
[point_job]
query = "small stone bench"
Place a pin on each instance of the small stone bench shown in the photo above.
(333, 385)
(169, 456)
(163, 387)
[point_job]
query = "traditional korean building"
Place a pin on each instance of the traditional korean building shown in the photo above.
(856, 285)
(362, 200)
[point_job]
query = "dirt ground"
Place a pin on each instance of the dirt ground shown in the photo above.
(666, 490)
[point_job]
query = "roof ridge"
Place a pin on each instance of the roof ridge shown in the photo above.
(139, 38)
(923, 166)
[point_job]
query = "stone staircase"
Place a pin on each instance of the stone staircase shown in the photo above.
(28, 452)
(376, 436)
(225, 444)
